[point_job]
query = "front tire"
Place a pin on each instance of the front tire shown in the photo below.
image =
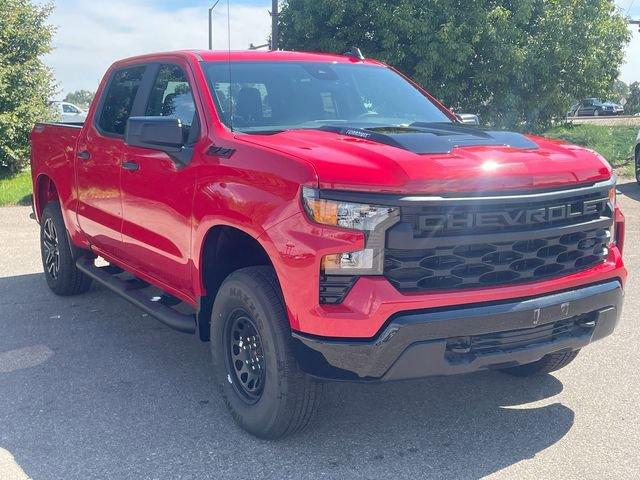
(60, 271)
(263, 387)
(547, 364)
(637, 157)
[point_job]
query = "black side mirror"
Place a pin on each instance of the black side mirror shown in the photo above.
(159, 133)
(156, 133)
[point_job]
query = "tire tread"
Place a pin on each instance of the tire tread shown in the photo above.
(304, 394)
(71, 281)
(547, 364)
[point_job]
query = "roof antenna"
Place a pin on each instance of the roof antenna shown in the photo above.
(229, 65)
(356, 53)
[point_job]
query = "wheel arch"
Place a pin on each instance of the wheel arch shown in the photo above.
(45, 191)
(224, 250)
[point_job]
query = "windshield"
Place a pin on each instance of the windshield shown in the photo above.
(274, 96)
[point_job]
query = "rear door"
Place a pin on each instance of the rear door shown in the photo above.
(157, 190)
(98, 159)
(585, 108)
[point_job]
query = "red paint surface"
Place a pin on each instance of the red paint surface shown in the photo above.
(154, 221)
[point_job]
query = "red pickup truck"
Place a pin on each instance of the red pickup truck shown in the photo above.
(323, 217)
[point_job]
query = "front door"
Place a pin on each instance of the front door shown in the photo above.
(157, 190)
(98, 159)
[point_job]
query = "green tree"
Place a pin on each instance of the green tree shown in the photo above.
(25, 83)
(514, 63)
(81, 98)
(633, 100)
(619, 90)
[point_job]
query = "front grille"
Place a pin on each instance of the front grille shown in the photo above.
(451, 246)
(506, 341)
(487, 264)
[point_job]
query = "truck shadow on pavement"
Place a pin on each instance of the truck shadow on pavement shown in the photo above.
(122, 396)
(630, 189)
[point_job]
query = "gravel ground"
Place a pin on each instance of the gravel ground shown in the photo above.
(90, 387)
(609, 121)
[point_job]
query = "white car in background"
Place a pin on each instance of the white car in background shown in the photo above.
(69, 113)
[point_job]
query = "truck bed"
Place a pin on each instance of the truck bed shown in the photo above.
(53, 143)
(53, 149)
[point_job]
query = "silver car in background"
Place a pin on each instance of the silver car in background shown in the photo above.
(68, 112)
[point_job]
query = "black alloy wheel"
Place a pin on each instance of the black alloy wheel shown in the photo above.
(254, 365)
(58, 260)
(245, 356)
(51, 246)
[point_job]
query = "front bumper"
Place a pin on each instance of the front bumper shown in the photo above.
(447, 341)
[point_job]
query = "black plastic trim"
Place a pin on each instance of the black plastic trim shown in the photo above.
(413, 344)
(168, 316)
(401, 236)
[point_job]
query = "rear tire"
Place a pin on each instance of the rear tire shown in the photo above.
(547, 364)
(637, 157)
(60, 271)
(254, 368)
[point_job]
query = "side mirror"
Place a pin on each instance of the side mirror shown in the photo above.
(156, 133)
(468, 118)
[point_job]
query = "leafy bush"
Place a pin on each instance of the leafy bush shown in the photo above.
(25, 83)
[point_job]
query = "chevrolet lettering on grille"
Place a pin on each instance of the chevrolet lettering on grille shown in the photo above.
(511, 218)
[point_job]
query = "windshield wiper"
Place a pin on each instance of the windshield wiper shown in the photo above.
(263, 132)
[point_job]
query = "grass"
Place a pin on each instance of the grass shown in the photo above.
(616, 144)
(15, 189)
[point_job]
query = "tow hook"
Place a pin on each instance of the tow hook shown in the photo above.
(460, 345)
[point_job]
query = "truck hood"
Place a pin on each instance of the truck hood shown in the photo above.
(436, 160)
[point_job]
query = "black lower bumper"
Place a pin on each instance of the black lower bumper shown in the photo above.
(460, 340)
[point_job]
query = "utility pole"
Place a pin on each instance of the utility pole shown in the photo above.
(275, 33)
(211, 24)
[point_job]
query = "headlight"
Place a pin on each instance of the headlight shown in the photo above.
(373, 220)
(356, 216)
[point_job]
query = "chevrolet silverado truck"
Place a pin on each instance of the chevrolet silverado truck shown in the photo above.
(322, 217)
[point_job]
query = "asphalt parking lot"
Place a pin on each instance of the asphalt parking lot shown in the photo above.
(92, 388)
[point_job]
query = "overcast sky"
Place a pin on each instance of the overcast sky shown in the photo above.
(93, 34)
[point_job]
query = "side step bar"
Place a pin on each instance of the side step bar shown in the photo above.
(168, 316)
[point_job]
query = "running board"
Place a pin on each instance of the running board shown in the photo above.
(168, 316)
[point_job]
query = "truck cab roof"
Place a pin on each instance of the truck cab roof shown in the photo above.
(252, 56)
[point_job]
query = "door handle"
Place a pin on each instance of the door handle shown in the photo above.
(83, 155)
(132, 166)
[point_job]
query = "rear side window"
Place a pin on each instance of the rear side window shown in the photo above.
(119, 98)
(171, 97)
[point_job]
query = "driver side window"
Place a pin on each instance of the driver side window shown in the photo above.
(171, 97)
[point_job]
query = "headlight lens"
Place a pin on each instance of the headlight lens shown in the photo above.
(373, 220)
(356, 216)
